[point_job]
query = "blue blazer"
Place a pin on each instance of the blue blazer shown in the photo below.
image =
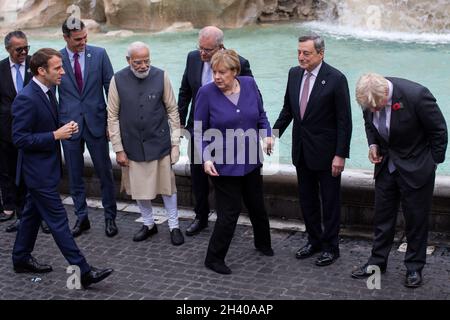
(34, 120)
(90, 106)
(215, 111)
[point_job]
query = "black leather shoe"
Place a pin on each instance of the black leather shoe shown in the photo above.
(363, 272)
(413, 279)
(110, 227)
(44, 227)
(306, 251)
(326, 258)
(80, 227)
(266, 251)
(218, 267)
(5, 217)
(195, 227)
(145, 232)
(176, 237)
(13, 227)
(32, 266)
(94, 276)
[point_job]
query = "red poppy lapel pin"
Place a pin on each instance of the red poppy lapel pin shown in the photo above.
(397, 106)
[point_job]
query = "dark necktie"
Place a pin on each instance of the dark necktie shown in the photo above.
(77, 71)
(383, 131)
(53, 102)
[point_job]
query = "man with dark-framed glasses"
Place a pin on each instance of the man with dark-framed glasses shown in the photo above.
(197, 73)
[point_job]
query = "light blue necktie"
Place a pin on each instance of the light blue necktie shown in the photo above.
(19, 79)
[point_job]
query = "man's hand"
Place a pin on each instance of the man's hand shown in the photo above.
(66, 131)
(337, 166)
(175, 154)
(210, 169)
(122, 159)
(374, 155)
(268, 145)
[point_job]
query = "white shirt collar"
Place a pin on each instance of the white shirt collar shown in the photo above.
(315, 71)
(12, 64)
(41, 85)
(390, 92)
(72, 53)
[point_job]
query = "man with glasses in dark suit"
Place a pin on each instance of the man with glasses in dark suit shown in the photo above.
(16, 74)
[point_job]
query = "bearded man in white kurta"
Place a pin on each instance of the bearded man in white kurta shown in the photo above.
(143, 125)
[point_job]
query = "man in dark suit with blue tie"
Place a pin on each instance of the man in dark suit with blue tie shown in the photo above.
(37, 135)
(15, 71)
(407, 137)
(317, 99)
(197, 73)
(82, 99)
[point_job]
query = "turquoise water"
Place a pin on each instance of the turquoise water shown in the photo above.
(272, 50)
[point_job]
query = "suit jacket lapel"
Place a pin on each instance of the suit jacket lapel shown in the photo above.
(8, 77)
(68, 67)
(396, 98)
(46, 101)
(198, 70)
(28, 74)
(87, 64)
(295, 92)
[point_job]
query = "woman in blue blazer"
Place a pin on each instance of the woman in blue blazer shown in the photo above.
(228, 123)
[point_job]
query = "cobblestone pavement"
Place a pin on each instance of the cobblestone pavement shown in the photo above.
(155, 269)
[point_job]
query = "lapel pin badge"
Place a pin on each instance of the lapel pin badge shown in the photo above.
(323, 82)
(28, 70)
(88, 55)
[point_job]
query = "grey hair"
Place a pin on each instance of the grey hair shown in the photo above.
(135, 46)
(10, 35)
(211, 31)
(319, 43)
(371, 90)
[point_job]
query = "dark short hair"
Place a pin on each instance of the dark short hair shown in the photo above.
(72, 24)
(10, 35)
(319, 43)
(40, 59)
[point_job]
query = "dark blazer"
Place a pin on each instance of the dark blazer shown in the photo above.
(417, 134)
(192, 81)
(34, 120)
(90, 105)
(7, 95)
(326, 127)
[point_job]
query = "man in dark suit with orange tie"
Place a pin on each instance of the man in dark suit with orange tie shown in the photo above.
(37, 135)
(317, 99)
(407, 137)
(15, 71)
(197, 73)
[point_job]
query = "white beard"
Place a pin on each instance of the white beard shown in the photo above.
(140, 75)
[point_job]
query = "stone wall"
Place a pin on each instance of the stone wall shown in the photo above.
(155, 15)
(281, 196)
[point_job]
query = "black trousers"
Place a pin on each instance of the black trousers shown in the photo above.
(229, 193)
(320, 201)
(13, 197)
(200, 185)
(390, 191)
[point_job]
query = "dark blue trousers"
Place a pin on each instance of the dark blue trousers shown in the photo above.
(45, 204)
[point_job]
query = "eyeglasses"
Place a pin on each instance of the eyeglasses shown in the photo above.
(20, 49)
(206, 50)
(138, 63)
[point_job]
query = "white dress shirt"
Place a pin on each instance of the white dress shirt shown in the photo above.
(312, 80)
